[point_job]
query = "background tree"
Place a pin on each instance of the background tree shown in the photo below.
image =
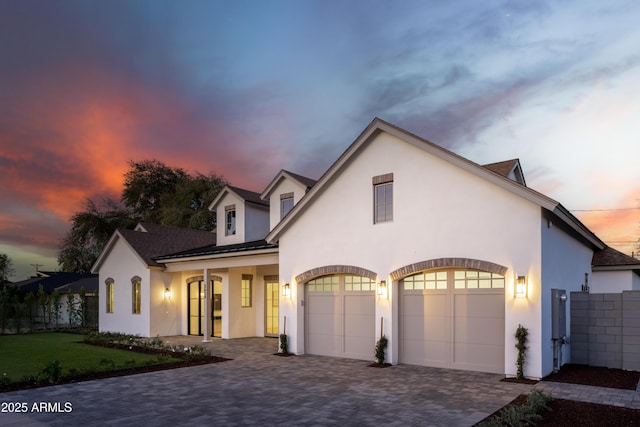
(6, 268)
(153, 192)
(90, 231)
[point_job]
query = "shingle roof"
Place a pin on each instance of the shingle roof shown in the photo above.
(249, 196)
(609, 257)
(502, 168)
(160, 239)
(51, 281)
(303, 179)
(216, 250)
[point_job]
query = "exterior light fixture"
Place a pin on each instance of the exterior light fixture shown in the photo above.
(167, 293)
(521, 286)
(286, 290)
(382, 288)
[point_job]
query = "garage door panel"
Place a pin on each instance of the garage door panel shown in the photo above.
(478, 330)
(473, 305)
(325, 324)
(324, 304)
(479, 357)
(324, 345)
(359, 304)
(429, 353)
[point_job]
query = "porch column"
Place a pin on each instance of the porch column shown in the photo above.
(207, 306)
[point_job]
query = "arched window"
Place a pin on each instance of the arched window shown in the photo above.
(109, 286)
(136, 285)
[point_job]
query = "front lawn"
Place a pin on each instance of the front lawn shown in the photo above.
(25, 356)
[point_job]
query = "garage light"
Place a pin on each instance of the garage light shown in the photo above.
(382, 288)
(167, 294)
(286, 290)
(521, 286)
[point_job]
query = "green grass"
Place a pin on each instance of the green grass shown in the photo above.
(27, 354)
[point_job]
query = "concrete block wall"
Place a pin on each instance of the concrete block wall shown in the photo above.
(631, 330)
(605, 329)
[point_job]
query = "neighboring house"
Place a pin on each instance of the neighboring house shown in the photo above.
(613, 272)
(443, 256)
(67, 284)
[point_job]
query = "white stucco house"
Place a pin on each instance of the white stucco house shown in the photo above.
(443, 256)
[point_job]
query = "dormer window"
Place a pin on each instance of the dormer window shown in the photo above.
(230, 220)
(286, 204)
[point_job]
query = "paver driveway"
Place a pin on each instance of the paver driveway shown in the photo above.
(258, 388)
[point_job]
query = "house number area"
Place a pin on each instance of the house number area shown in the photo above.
(44, 407)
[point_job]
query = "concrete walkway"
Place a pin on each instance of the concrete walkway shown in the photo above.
(258, 388)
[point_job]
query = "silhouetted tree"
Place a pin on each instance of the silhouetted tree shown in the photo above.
(153, 192)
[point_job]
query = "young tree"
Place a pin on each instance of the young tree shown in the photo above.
(43, 302)
(6, 268)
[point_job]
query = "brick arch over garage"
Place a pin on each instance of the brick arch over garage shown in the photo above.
(474, 264)
(335, 269)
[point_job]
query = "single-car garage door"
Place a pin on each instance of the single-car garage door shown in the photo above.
(453, 319)
(340, 317)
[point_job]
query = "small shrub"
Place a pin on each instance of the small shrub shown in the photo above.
(284, 346)
(4, 379)
(521, 415)
(52, 372)
(381, 347)
(521, 346)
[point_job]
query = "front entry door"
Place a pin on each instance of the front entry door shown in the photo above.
(197, 310)
(272, 294)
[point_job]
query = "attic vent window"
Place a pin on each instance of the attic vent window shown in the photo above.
(230, 220)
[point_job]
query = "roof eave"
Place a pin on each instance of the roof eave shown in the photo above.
(235, 254)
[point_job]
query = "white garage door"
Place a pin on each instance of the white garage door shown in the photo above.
(453, 319)
(340, 317)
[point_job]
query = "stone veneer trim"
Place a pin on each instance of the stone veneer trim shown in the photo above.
(335, 269)
(474, 264)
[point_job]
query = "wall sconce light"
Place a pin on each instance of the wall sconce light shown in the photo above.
(286, 290)
(382, 288)
(167, 293)
(521, 286)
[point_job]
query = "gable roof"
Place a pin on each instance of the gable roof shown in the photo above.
(506, 168)
(152, 240)
(378, 126)
(246, 195)
(612, 259)
(283, 174)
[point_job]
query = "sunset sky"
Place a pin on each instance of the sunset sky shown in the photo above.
(246, 88)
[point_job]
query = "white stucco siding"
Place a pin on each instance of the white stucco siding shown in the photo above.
(439, 210)
(565, 261)
(256, 222)
(284, 186)
(166, 312)
(122, 265)
(614, 281)
(238, 237)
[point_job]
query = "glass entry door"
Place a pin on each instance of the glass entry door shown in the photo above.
(196, 308)
(272, 296)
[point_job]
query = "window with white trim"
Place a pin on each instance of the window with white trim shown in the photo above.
(109, 294)
(383, 198)
(230, 220)
(286, 204)
(246, 290)
(136, 300)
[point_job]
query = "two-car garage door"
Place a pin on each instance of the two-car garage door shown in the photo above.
(453, 319)
(448, 318)
(340, 317)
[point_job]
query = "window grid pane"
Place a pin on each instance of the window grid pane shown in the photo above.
(383, 203)
(246, 292)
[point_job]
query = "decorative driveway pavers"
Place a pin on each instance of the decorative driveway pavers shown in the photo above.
(258, 388)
